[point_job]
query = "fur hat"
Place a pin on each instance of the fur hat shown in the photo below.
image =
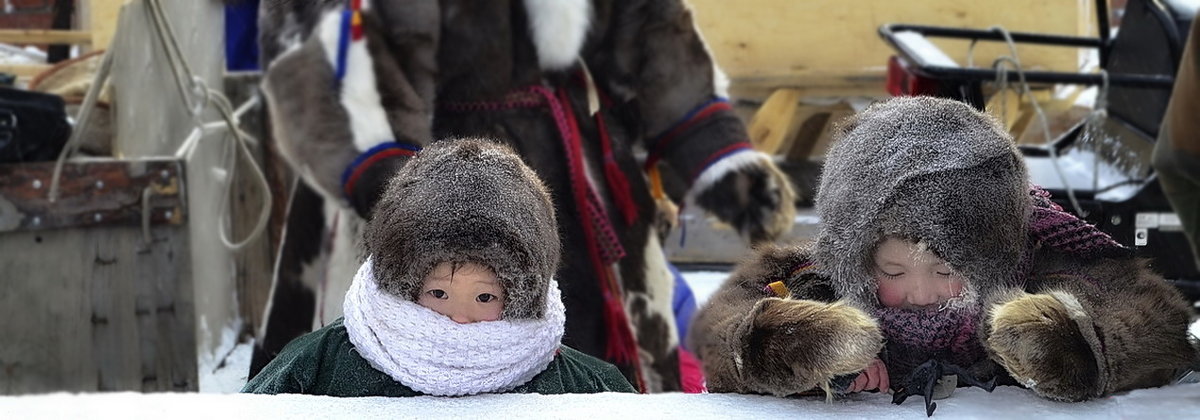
(926, 170)
(466, 200)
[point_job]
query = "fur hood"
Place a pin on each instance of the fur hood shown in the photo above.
(467, 200)
(926, 170)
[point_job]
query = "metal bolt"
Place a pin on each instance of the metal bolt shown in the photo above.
(37, 184)
(97, 217)
(99, 184)
(1116, 220)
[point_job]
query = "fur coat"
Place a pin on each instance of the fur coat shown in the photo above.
(1048, 300)
(578, 88)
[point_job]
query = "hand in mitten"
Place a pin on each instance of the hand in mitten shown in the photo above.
(750, 193)
(791, 346)
(1047, 343)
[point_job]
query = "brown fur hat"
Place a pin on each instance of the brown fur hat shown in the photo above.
(926, 170)
(467, 200)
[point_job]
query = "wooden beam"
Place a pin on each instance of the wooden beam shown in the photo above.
(24, 70)
(37, 36)
(102, 20)
(96, 192)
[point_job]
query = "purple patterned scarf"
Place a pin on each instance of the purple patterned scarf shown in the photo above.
(916, 336)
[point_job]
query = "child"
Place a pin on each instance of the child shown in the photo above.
(933, 246)
(456, 296)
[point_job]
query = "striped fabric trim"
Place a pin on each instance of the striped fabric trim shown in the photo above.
(366, 159)
(659, 145)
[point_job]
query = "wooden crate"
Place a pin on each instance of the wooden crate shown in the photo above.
(96, 288)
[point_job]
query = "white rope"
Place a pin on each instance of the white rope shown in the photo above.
(1023, 90)
(185, 79)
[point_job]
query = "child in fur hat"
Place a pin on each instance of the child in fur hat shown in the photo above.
(934, 246)
(457, 295)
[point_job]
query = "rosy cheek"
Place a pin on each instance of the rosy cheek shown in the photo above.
(890, 295)
(956, 288)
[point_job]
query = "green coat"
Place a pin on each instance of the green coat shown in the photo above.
(324, 362)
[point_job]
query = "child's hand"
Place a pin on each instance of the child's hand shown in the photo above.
(875, 376)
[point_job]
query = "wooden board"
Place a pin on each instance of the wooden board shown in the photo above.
(41, 36)
(93, 192)
(787, 38)
(775, 121)
(97, 309)
(102, 20)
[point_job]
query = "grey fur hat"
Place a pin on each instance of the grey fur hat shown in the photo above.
(926, 170)
(467, 200)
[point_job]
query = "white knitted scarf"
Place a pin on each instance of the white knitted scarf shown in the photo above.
(432, 354)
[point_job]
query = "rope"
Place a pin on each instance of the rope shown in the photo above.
(1023, 90)
(207, 96)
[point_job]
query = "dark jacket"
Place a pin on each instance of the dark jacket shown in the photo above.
(324, 362)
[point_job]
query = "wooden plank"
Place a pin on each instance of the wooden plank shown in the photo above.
(93, 192)
(114, 324)
(41, 36)
(47, 343)
(99, 310)
(102, 20)
(24, 70)
(782, 37)
(775, 121)
(255, 262)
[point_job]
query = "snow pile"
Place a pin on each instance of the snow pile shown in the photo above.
(224, 370)
(1181, 401)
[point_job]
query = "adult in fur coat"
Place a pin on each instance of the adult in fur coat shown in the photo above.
(463, 202)
(1047, 299)
(574, 86)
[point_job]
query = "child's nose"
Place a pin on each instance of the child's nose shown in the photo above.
(924, 295)
(461, 318)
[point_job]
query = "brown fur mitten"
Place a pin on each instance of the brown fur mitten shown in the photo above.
(791, 346)
(1048, 343)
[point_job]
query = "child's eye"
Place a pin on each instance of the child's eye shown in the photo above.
(945, 274)
(890, 274)
(437, 293)
(485, 298)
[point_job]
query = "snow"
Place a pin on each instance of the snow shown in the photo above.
(224, 370)
(1179, 401)
(704, 283)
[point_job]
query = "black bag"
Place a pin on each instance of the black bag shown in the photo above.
(33, 126)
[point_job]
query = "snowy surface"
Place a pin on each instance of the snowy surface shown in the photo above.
(704, 283)
(225, 369)
(1182, 401)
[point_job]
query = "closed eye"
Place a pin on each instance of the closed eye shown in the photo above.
(891, 275)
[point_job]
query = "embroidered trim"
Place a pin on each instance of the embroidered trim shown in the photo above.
(370, 157)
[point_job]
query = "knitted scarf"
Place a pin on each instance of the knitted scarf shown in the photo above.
(916, 336)
(432, 354)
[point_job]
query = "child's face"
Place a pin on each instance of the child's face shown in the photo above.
(913, 278)
(472, 293)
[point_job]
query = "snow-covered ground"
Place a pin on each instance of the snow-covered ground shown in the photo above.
(704, 283)
(1177, 402)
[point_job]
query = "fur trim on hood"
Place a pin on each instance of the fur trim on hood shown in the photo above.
(467, 200)
(926, 170)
